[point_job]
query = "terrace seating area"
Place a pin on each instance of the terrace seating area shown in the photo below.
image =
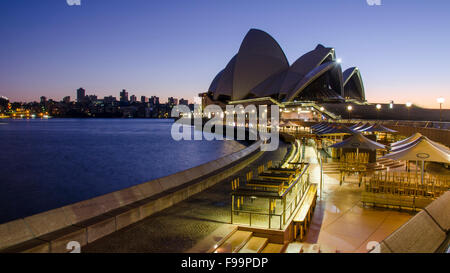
(269, 196)
(404, 189)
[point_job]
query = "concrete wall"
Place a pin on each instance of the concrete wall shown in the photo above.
(89, 220)
(424, 233)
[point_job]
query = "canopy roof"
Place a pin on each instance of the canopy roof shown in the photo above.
(362, 127)
(330, 129)
(359, 124)
(358, 141)
(378, 128)
(410, 139)
(422, 149)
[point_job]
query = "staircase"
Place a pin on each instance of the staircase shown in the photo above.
(297, 247)
(331, 168)
(240, 241)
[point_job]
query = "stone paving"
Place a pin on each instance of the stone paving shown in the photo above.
(340, 221)
(182, 226)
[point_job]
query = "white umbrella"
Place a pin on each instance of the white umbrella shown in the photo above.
(410, 139)
(422, 149)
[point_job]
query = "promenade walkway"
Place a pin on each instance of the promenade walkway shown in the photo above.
(339, 219)
(185, 225)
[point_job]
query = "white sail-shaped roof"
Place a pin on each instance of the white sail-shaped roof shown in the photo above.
(332, 67)
(259, 58)
(353, 85)
(303, 65)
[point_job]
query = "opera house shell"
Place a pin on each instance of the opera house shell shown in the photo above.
(260, 69)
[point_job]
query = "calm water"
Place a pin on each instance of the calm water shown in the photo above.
(45, 164)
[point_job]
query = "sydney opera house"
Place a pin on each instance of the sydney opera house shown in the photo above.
(313, 88)
(260, 70)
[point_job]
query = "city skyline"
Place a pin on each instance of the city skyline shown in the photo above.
(51, 48)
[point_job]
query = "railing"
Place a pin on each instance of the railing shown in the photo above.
(297, 189)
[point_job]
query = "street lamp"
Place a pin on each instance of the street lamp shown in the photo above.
(408, 105)
(440, 101)
(349, 109)
(378, 106)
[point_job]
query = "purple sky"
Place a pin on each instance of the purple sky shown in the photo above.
(175, 48)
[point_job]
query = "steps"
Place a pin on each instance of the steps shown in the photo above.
(240, 241)
(273, 248)
(254, 245)
(297, 247)
(235, 242)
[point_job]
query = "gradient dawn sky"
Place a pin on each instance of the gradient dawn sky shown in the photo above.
(175, 48)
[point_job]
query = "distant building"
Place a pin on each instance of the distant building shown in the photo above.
(43, 100)
(133, 98)
(184, 102)
(144, 99)
(172, 101)
(66, 99)
(93, 98)
(124, 96)
(109, 100)
(154, 100)
(81, 94)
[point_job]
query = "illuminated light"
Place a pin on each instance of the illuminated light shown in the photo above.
(408, 104)
(321, 108)
(349, 108)
(378, 106)
(339, 60)
(440, 100)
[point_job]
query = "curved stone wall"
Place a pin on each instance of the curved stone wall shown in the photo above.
(93, 218)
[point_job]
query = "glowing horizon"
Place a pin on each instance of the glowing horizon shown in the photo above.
(175, 48)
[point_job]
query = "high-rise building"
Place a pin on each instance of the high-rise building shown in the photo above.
(43, 100)
(109, 100)
(133, 98)
(144, 99)
(81, 94)
(92, 98)
(154, 100)
(124, 96)
(172, 101)
(66, 99)
(184, 102)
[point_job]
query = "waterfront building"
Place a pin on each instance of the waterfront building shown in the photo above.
(109, 100)
(133, 98)
(313, 88)
(172, 101)
(124, 96)
(184, 102)
(81, 94)
(66, 99)
(154, 100)
(144, 99)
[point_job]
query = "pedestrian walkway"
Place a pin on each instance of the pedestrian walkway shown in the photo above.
(340, 221)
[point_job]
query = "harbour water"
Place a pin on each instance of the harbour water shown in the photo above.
(45, 164)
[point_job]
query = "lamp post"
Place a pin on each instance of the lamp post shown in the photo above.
(440, 101)
(408, 105)
(378, 106)
(349, 109)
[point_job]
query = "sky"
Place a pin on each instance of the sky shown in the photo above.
(176, 47)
